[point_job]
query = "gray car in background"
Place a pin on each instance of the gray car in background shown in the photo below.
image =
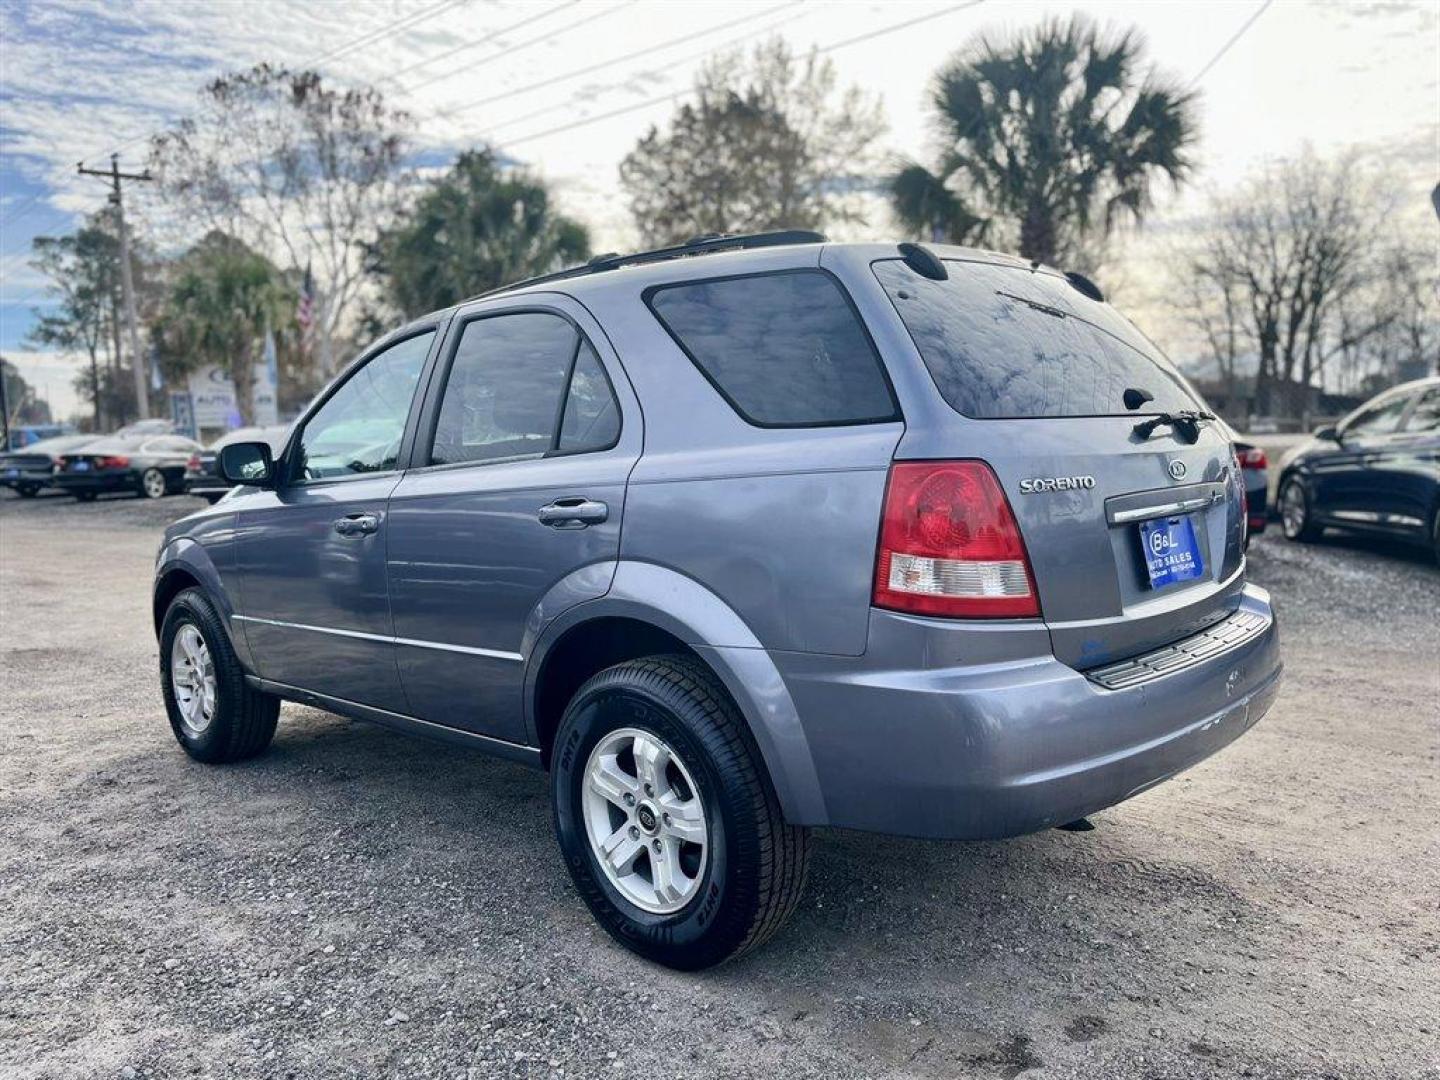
(202, 473)
(739, 538)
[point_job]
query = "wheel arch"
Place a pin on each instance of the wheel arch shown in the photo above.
(651, 609)
(185, 564)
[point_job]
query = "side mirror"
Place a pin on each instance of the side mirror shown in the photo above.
(1328, 433)
(247, 463)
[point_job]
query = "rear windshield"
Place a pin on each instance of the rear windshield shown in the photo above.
(784, 349)
(1006, 343)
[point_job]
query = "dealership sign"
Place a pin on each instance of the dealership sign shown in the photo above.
(212, 398)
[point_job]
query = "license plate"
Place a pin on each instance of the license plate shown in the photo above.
(12, 473)
(1171, 551)
(82, 466)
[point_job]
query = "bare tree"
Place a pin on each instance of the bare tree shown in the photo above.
(771, 142)
(297, 169)
(1278, 269)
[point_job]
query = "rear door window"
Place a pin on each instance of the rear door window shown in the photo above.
(1006, 343)
(784, 349)
(523, 385)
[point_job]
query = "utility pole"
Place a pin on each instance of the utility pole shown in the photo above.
(4, 411)
(127, 281)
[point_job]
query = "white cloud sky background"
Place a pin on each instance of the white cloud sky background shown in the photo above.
(79, 78)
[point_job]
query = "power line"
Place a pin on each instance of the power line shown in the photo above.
(1229, 44)
(405, 22)
(868, 36)
(484, 39)
(577, 73)
(513, 49)
(570, 102)
(402, 23)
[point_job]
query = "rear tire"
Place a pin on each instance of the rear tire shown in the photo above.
(1297, 519)
(27, 491)
(741, 867)
(239, 721)
(153, 484)
(85, 496)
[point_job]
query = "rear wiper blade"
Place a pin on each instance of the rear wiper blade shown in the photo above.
(1186, 423)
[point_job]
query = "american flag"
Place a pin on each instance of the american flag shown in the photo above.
(305, 309)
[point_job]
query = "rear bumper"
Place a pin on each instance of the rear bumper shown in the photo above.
(97, 482)
(1004, 747)
(16, 478)
(206, 485)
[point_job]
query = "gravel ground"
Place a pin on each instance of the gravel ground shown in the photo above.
(357, 904)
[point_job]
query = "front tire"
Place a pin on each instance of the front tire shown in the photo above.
(27, 491)
(85, 496)
(1297, 519)
(215, 715)
(667, 820)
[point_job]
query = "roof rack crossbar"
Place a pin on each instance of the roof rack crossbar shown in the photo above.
(700, 245)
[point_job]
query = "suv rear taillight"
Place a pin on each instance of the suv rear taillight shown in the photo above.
(1253, 458)
(193, 465)
(949, 545)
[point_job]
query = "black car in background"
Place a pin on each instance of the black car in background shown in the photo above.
(202, 478)
(1255, 471)
(31, 468)
(148, 465)
(1378, 470)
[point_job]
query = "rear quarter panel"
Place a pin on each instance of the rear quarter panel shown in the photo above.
(780, 523)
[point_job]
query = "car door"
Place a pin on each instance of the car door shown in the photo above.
(1344, 480)
(517, 484)
(310, 554)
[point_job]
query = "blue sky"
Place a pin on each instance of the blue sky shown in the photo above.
(79, 78)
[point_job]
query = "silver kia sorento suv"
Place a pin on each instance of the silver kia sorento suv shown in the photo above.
(738, 538)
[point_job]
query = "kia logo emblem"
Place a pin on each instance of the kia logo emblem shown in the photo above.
(1177, 470)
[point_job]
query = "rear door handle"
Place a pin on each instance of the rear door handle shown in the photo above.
(573, 513)
(357, 524)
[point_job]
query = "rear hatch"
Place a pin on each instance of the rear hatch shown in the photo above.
(1134, 538)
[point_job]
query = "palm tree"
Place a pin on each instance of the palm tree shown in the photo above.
(1055, 134)
(223, 299)
(478, 226)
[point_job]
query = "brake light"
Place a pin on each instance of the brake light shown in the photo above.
(1254, 458)
(193, 465)
(950, 545)
(113, 461)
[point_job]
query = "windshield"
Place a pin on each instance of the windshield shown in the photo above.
(1006, 343)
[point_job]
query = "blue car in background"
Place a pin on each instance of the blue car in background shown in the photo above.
(33, 468)
(1376, 471)
(29, 434)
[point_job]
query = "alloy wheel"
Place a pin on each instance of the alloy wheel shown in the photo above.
(645, 821)
(192, 678)
(153, 483)
(1292, 509)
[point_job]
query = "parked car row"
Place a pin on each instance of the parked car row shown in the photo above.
(147, 458)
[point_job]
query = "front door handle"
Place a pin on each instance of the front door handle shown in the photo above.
(573, 513)
(357, 524)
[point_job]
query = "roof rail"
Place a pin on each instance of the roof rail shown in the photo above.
(698, 245)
